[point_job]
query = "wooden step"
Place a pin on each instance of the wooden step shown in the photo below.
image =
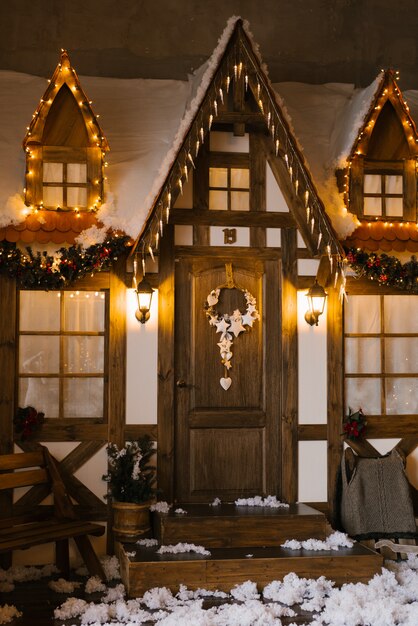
(231, 526)
(225, 568)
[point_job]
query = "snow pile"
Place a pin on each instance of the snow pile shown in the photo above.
(180, 548)
(22, 573)
(63, 586)
(310, 593)
(335, 541)
(268, 501)
(180, 512)
(94, 584)
(8, 613)
(245, 591)
(147, 543)
(160, 507)
(216, 502)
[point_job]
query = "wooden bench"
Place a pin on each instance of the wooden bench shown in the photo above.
(39, 526)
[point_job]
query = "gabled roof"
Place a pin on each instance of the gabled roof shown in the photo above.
(387, 91)
(235, 64)
(65, 74)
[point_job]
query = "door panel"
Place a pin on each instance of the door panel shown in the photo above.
(226, 442)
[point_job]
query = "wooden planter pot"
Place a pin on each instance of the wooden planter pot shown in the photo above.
(131, 521)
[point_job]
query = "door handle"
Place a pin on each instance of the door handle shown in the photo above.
(181, 383)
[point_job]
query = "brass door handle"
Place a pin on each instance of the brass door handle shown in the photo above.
(181, 383)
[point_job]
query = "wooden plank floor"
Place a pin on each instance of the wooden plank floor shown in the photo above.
(37, 603)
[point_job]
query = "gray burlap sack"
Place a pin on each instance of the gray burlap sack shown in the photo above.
(376, 499)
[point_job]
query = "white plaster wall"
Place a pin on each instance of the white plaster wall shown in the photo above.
(312, 471)
(141, 364)
(312, 344)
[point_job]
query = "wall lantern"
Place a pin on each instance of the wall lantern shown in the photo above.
(316, 301)
(144, 293)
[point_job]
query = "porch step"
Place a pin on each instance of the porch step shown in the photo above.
(225, 568)
(231, 526)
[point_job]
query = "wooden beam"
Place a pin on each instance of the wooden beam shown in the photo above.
(117, 353)
(232, 218)
(200, 198)
(244, 117)
(335, 405)
(257, 189)
(293, 201)
(7, 378)
(7, 361)
(312, 432)
(166, 395)
(217, 252)
(361, 286)
(135, 431)
(289, 377)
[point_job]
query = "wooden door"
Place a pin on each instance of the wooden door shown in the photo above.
(226, 441)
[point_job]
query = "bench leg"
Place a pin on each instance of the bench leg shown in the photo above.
(62, 556)
(90, 557)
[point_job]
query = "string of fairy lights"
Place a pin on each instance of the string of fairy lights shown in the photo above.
(240, 69)
(64, 74)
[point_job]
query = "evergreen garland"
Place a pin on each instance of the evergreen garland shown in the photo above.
(385, 270)
(43, 271)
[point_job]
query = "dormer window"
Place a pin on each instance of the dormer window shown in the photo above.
(64, 148)
(382, 174)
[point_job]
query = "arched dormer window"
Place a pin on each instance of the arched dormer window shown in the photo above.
(382, 174)
(64, 148)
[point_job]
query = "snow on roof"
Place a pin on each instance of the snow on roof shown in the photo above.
(145, 121)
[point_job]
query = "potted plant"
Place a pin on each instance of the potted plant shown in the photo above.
(131, 479)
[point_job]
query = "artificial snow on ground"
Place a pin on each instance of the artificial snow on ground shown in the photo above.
(389, 599)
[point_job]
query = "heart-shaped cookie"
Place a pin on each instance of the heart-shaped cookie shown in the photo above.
(225, 383)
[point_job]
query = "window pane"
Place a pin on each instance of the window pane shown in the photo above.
(240, 178)
(397, 322)
(394, 207)
(52, 172)
(372, 206)
(372, 183)
(401, 355)
(83, 355)
(83, 397)
(362, 314)
(53, 196)
(240, 201)
(84, 311)
(362, 356)
(46, 304)
(218, 200)
(401, 396)
(76, 172)
(363, 393)
(38, 354)
(41, 393)
(77, 196)
(218, 177)
(394, 184)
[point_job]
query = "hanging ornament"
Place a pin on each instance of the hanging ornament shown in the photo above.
(228, 82)
(246, 82)
(210, 121)
(221, 95)
(202, 134)
(229, 325)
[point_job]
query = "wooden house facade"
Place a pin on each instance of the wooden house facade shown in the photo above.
(240, 394)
